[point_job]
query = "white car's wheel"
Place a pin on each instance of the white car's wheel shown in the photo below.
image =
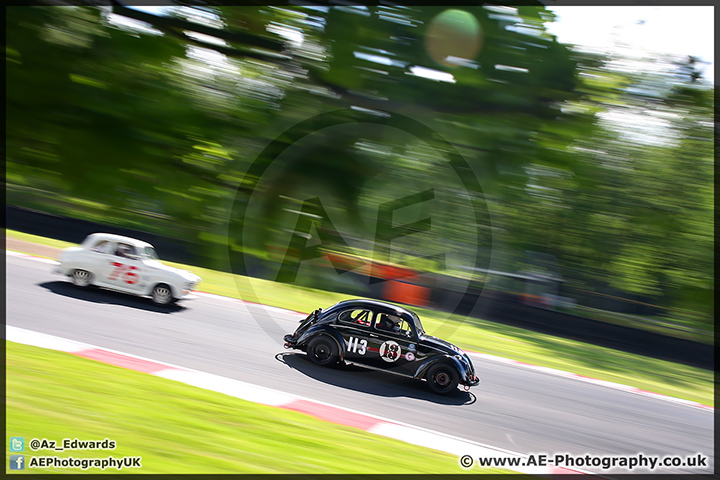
(81, 278)
(162, 294)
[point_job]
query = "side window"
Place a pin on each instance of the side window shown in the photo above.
(358, 317)
(405, 328)
(389, 323)
(125, 250)
(103, 246)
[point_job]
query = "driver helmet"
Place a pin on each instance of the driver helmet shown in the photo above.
(394, 323)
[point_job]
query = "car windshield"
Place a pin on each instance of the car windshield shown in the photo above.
(418, 325)
(150, 253)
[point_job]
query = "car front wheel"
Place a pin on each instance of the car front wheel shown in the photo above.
(81, 278)
(442, 379)
(323, 351)
(162, 294)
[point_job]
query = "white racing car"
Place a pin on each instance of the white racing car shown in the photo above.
(126, 265)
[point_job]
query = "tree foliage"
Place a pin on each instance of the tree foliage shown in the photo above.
(159, 120)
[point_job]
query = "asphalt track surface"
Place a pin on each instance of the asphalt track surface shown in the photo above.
(514, 408)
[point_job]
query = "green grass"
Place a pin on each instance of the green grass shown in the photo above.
(177, 428)
(481, 336)
(49, 242)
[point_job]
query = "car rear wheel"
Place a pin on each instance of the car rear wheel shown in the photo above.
(162, 294)
(442, 379)
(323, 351)
(81, 278)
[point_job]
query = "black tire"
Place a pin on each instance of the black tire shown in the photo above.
(162, 294)
(81, 278)
(323, 351)
(442, 378)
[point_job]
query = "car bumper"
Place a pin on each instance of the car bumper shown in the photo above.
(289, 341)
(471, 382)
(61, 270)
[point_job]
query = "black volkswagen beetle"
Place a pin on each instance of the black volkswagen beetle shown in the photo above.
(382, 336)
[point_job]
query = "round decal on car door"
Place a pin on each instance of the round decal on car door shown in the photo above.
(390, 351)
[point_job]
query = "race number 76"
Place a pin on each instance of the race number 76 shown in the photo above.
(126, 271)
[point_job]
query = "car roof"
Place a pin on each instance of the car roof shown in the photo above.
(363, 302)
(115, 238)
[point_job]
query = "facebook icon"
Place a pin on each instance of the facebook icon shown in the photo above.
(17, 462)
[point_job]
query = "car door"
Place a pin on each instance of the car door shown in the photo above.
(123, 268)
(392, 350)
(98, 258)
(354, 325)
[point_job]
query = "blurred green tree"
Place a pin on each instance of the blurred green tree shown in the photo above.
(635, 214)
(160, 122)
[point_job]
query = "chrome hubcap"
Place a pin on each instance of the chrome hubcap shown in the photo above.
(81, 278)
(162, 295)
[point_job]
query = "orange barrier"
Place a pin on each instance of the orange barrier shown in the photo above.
(407, 293)
(390, 272)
